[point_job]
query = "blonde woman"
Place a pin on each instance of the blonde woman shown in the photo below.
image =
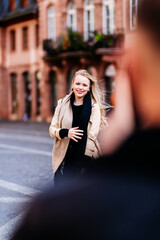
(75, 127)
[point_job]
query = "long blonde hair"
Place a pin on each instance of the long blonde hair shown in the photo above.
(96, 93)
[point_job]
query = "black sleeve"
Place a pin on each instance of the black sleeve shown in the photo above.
(63, 133)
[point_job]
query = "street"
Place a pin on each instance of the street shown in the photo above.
(25, 169)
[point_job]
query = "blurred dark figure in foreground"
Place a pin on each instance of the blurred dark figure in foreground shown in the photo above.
(120, 199)
(138, 85)
(111, 208)
(137, 112)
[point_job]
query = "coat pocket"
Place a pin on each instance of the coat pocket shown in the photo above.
(90, 144)
(93, 148)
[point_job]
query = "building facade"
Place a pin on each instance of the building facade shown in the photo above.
(43, 42)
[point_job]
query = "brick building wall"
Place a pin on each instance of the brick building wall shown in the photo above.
(30, 83)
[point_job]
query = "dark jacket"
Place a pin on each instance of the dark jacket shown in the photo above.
(119, 200)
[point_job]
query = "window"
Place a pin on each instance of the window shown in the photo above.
(88, 18)
(36, 35)
(24, 3)
(12, 5)
(70, 75)
(12, 40)
(110, 74)
(0, 4)
(38, 100)
(27, 94)
(53, 90)
(51, 23)
(14, 93)
(25, 38)
(133, 14)
(108, 16)
(72, 16)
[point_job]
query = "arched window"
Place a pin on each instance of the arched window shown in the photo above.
(51, 23)
(110, 73)
(38, 97)
(14, 93)
(12, 5)
(91, 70)
(53, 90)
(1, 4)
(72, 16)
(88, 18)
(27, 94)
(70, 75)
(108, 16)
(24, 3)
(133, 14)
(12, 40)
(25, 36)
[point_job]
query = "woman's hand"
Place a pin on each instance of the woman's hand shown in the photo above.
(75, 133)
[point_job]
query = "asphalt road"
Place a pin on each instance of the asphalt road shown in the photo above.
(25, 169)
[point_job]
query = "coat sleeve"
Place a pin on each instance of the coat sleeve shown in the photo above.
(54, 127)
(96, 122)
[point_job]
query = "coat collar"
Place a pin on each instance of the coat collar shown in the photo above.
(68, 97)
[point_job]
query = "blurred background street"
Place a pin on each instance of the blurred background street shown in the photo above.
(25, 168)
(42, 44)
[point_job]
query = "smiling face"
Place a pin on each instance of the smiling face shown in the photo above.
(80, 86)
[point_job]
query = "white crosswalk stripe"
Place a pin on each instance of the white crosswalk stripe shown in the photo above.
(18, 141)
(18, 188)
(6, 229)
(27, 191)
(28, 138)
(24, 149)
(14, 199)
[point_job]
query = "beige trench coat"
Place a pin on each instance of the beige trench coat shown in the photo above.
(62, 118)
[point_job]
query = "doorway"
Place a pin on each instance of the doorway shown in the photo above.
(109, 76)
(14, 93)
(53, 90)
(27, 94)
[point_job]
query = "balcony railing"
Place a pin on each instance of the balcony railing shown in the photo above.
(73, 42)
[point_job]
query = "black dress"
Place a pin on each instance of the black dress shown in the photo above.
(73, 164)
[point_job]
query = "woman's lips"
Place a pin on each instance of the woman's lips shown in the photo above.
(79, 92)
